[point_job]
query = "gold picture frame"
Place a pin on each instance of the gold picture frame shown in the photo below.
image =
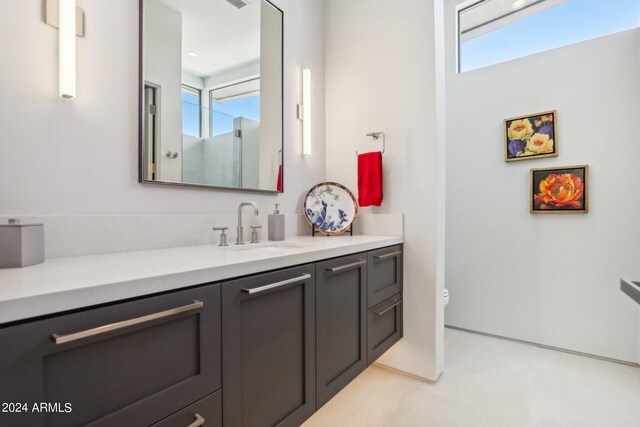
(537, 133)
(559, 201)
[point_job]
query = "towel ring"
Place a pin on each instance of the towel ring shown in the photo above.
(375, 136)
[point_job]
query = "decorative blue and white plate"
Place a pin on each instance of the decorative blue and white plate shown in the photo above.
(330, 208)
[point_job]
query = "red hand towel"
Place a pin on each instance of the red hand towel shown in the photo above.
(279, 183)
(370, 179)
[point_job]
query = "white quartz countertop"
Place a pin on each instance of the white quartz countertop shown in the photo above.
(62, 284)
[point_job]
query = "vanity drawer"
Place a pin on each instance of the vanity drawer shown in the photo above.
(385, 274)
(206, 413)
(384, 327)
(131, 363)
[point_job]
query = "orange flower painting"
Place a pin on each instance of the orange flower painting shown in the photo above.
(559, 190)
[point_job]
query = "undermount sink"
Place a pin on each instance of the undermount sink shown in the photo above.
(267, 247)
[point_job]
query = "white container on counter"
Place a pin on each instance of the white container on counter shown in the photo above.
(21, 245)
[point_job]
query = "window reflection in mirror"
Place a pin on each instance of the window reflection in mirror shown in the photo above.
(212, 74)
(191, 114)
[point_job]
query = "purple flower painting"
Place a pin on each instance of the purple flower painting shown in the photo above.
(529, 137)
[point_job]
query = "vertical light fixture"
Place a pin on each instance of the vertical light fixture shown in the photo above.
(67, 46)
(306, 112)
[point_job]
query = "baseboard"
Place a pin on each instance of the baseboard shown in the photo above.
(548, 347)
(406, 374)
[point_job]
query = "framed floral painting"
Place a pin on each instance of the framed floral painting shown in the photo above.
(531, 137)
(560, 190)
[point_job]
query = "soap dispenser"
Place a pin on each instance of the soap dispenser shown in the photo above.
(276, 225)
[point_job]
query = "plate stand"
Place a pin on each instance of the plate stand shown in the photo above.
(348, 230)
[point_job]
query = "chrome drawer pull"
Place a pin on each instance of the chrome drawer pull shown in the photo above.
(61, 339)
(392, 306)
(254, 291)
(348, 266)
(198, 422)
(388, 255)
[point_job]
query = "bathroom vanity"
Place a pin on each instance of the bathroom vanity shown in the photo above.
(259, 335)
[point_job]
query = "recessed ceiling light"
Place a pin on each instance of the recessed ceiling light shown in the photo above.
(519, 4)
(192, 54)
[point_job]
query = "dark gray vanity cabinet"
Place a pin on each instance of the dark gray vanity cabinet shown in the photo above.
(385, 274)
(259, 351)
(269, 348)
(341, 293)
(126, 364)
(384, 327)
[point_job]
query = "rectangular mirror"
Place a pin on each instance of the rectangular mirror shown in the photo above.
(211, 93)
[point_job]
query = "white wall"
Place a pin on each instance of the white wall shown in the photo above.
(235, 74)
(194, 81)
(80, 157)
(163, 67)
(381, 75)
(550, 279)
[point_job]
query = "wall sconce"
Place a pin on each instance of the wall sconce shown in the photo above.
(64, 14)
(304, 112)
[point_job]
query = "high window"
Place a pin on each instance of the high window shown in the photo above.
(494, 31)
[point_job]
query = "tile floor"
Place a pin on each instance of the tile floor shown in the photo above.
(492, 382)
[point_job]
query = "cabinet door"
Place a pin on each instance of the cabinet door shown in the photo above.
(126, 364)
(385, 274)
(268, 341)
(341, 291)
(384, 326)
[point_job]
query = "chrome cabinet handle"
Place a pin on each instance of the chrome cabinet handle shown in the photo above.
(264, 288)
(61, 339)
(392, 306)
(388, 255)
(347, 266)
(198, 422)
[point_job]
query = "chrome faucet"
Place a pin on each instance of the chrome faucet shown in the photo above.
(240, 238)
